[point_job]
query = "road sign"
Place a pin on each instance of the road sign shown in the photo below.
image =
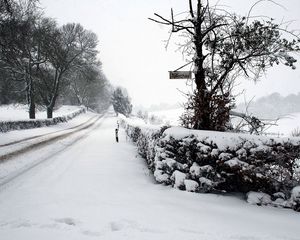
(180, 74)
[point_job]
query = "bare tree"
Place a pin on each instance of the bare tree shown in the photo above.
(16, 9)
(222, 47)
(69, 49)
(18, 42)
(6, 7)
(41, 59)
(87, 84)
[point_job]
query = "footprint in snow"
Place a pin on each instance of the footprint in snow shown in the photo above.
(67, 221)
(126, 224)
(91, 233)
(119, 225)
(20, 224)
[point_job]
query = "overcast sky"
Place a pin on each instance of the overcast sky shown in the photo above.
(132, 48)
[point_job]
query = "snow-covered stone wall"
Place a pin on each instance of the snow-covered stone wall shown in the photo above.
(6, 126)
(206, 161)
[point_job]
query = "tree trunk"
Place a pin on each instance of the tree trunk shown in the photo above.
(202, 106)
(49, 112)
(31, 99)
(32, 110)
(54, 96)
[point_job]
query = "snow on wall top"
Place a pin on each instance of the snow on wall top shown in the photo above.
(226, 139)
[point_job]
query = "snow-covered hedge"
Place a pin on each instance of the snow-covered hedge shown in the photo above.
(205, 161)
(6, 126)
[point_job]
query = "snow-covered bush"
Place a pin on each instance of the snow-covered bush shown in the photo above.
(296, 198)
(178, 179)
(203, 161)
(191, 185)
(134, 133)
(258, 198)
(6, 126)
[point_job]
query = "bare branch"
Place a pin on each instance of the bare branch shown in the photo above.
(191, 9)
(258, 2)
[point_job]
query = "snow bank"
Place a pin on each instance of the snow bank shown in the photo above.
(66, 113)
(228, 140)
(207, 161)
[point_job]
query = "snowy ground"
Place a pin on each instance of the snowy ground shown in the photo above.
(20, 112)
(95, 188)
(14, 145)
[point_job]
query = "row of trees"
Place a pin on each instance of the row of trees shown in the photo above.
(224, 46)
(47, 63)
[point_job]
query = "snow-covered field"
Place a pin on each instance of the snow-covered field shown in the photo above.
(20, 112)
(87, 186)
(170, 116)
(285, 125)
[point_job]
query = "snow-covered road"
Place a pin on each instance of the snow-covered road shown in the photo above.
(99, 189)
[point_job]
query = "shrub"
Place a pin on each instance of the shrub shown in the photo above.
(296, 132)
(197, 164)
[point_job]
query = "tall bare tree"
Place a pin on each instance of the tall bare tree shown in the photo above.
(222, 47)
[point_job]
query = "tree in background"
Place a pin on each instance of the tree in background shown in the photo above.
(143, 115)
(5, 7)
(88, 86)
(43, 60)
(121, 101)
(19, 44)
(7, 86)
(71, 48)
(223, 46)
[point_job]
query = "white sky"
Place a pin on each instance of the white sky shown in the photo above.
(133, 52)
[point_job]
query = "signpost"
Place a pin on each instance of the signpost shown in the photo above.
(180, 74)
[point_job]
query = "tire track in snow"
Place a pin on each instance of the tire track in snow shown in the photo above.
(47, 141)
(46, 134)
(20, 172)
